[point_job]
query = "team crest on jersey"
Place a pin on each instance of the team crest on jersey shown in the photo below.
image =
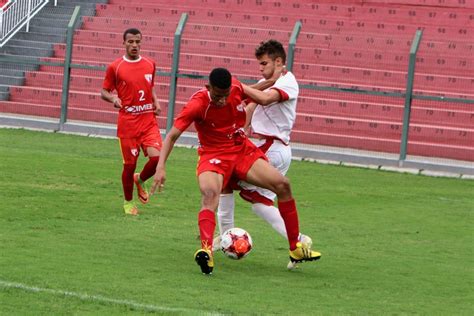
(240, 107)
(148, 77)
(134, 152)
(215, 161)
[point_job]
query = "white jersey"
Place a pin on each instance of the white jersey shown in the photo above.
(277, 119)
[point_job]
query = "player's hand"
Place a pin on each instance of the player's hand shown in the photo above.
(157, 108)
(279, 72)
(158, 180)
(117, 102)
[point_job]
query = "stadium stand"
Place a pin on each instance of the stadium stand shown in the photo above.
(353, 45)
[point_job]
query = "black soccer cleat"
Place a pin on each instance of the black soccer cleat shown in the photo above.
(204, 259)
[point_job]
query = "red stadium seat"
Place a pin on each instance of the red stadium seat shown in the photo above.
(351, 44)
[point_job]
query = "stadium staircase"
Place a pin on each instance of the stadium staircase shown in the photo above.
(45, 29)
(353, 44)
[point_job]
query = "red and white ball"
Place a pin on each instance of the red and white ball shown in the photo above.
(236, 243)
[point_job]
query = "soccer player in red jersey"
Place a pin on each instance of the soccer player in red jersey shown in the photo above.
(225, 151)
(133, 76)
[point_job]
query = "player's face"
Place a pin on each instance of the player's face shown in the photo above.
(267, 66)
(132, 45)
(218, 96)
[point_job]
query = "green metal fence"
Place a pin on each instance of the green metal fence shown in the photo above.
(175, 74)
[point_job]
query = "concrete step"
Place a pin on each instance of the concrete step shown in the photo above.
(28, 43)
(65, 10)
(4, 96)
(82, 1)
(55, 23)
(4, 92)
(47, 30)
(85, 4)
(41, 37)
(11, 80)
(12, 72)
(25, 51)
(52, 15)
(8, 66)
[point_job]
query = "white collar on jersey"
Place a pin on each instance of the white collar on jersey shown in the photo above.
(132, 60)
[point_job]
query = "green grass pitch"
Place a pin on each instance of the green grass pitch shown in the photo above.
(392, 244)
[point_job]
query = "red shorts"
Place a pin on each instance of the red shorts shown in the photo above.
(130, 147)
(230, 165)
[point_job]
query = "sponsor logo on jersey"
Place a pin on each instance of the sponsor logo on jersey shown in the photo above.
(139, 108)
(240, 107)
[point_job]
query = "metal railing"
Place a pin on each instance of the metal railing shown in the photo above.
(405, 96)
(15, 15)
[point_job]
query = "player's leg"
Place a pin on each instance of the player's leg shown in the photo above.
(225, 215)
(225, 210)
(262, 174)
(151, 145)
(279, 156)
(210, 185)
(130, 152)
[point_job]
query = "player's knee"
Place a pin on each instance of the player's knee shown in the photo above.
(210, 197)
(283, 187)
(130, 167)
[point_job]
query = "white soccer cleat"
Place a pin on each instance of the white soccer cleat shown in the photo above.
(216, 243)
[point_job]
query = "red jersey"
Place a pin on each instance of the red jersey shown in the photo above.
(217, 127)
(133, 80)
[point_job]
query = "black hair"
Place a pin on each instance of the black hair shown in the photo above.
(272, 48)
(220, 78)
(132, 31)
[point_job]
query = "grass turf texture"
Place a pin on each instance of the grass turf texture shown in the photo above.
(391, 243)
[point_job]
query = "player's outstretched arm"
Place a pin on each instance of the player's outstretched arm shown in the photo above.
(160, 174)
(110, 97)
(262, 97)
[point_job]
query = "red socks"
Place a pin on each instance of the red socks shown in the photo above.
(290, 217)
(127, 181)
(207, 225)
(149, 168)
(127, 176)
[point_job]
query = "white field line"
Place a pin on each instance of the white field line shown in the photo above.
(102, 299)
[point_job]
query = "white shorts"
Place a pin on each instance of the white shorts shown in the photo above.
(279, 156)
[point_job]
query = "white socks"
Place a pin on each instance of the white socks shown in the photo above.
(225, 214)
(272, 216)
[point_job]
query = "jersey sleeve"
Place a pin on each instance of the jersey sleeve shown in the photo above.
(189, 114)
(287, 87)
(109, 81)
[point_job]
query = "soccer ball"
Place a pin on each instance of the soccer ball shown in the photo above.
(236, 243)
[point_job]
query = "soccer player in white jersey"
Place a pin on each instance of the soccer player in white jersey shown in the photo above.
(271, 118)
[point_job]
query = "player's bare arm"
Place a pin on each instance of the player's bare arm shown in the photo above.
(265, 84)
(160, 175)
(112, 98)
(249, 109)
(262, 97)
(156, 103)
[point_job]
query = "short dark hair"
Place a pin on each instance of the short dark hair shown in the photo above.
(132, 31)
(272, 48)
(220, 78)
